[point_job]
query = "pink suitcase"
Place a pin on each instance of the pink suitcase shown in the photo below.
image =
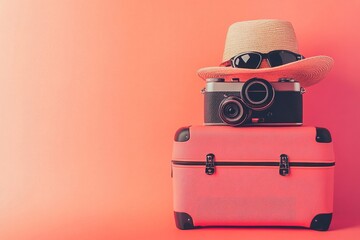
(253, 176)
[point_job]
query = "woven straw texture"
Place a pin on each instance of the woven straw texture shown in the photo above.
(261, 36)
(265, 36)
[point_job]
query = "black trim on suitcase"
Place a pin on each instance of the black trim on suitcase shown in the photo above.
(252, 164)
(182, 134)
(183, 221)
(321, 222)
(323, 135)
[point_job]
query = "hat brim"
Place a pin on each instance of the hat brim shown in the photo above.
(308, 71)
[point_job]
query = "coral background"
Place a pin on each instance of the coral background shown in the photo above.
(92, 93)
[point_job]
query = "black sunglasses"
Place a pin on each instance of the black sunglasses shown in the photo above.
(253, 60)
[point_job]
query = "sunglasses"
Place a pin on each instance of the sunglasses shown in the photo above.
(253, 60)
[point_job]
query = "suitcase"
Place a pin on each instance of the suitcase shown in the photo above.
(253, 176)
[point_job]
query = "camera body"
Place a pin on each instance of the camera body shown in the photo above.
(254, 102)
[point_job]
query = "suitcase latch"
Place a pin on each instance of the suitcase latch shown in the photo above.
(210, 164)
(284, 165)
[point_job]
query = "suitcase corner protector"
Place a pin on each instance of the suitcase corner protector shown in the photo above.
(182, 134)
(183, 221)
(323, 135)
(321, 222)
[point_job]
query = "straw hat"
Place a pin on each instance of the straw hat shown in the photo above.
(265, 36)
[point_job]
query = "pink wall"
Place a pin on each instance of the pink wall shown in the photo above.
(93, 91)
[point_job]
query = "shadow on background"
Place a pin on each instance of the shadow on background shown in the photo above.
(337, 110)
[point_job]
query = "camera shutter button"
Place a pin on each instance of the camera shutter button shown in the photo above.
(286, 80)
(215, 80)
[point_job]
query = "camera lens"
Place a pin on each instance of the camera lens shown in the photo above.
(258, 93)
(233, 111)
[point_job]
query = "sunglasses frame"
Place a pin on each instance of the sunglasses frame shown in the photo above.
(231, 62)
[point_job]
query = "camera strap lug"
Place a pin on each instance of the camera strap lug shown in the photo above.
(210, 164)
(284, 165)
(302, 90)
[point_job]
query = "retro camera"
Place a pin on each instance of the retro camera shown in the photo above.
(254, 102)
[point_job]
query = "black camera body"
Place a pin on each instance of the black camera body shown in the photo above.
(254, 102)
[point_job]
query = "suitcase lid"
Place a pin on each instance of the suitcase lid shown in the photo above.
(257, 144)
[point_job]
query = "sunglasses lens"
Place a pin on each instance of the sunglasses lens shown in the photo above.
(278, 58)
(247, 60)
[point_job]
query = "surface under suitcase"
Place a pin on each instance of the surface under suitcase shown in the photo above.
(268, 176)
